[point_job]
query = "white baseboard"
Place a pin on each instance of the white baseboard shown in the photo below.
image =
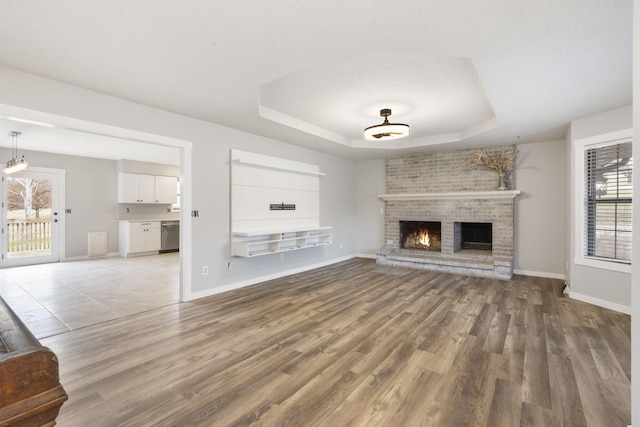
(256, 280)
(362, 255)
(86, 257)
(540, 274)
(600, 302)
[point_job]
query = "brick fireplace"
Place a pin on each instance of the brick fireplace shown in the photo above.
(427, 188)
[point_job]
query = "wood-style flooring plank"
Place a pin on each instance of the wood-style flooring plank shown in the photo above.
(506, 405)
(355, 344)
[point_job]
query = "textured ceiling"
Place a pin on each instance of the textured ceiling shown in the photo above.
(461, 73)
(440, 97)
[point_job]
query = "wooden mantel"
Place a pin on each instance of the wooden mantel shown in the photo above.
(497, 194)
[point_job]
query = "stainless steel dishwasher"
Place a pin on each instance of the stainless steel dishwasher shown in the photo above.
(170, 236)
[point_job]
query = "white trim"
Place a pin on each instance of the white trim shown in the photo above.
(257, 280)
(186, 224)
(580, 145)
(600, 302)
(604, 139)
(602, 264)
(58, 201)
(362, 255)
(87, 257)
(498, 194)
(280, 168)
(62, 207)
(540, 274)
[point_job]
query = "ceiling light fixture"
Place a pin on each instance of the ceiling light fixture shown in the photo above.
(15, 164)
(386, 130)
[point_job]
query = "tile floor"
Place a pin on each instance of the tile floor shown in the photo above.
(59, 297)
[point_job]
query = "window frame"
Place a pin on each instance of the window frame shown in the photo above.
(581, 146)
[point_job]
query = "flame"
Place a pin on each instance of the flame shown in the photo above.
(422, 238)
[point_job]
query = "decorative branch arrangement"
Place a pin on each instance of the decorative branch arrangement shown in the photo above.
(500, 163)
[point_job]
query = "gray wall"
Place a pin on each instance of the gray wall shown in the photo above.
(539, 210)
(539, 174)
(209, 177)
(594, 285)
(211, 195)
(370, 182)
(90, 193)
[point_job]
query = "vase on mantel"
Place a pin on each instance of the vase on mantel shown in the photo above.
(502, 182)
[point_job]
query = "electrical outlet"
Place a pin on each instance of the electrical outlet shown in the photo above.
(229, 265)
(381, 211)
(281, 257)
(340, 245)
(205, 270)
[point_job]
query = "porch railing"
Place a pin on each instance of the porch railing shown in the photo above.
(28, 234)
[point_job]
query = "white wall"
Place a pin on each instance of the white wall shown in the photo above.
(209, 176)
(370, 181)
(606, 288)
(539, 210)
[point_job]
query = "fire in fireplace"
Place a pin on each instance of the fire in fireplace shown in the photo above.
(420, 235)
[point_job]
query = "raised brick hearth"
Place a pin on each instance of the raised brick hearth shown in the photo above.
(428, 187)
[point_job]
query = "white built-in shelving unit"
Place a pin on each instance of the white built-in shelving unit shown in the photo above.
(275, 205)
(256, 243)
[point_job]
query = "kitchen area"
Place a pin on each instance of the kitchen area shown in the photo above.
(119, 239)
(148, 208)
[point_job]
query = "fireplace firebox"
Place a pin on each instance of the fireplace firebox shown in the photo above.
(420, 235)
(476, 235)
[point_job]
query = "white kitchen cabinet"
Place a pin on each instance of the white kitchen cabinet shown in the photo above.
(136, 188)
(166, 189)
(139, 237)
(140, 188)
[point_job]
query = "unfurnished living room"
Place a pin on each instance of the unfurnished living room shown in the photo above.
(364, 213)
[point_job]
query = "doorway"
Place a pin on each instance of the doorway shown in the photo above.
(110, 142)
(31, 217)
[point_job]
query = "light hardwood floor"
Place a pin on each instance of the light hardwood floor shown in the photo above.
(355, 344)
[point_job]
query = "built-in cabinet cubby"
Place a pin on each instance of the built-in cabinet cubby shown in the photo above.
(256, 243)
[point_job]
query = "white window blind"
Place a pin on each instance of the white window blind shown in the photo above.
(607, 198)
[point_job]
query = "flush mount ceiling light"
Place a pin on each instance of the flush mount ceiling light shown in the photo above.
(15, 164)
(386, 130)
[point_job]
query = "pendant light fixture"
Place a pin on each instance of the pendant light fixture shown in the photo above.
(386, 130)
(15, 164)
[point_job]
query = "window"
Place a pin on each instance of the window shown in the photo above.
(605, 200)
